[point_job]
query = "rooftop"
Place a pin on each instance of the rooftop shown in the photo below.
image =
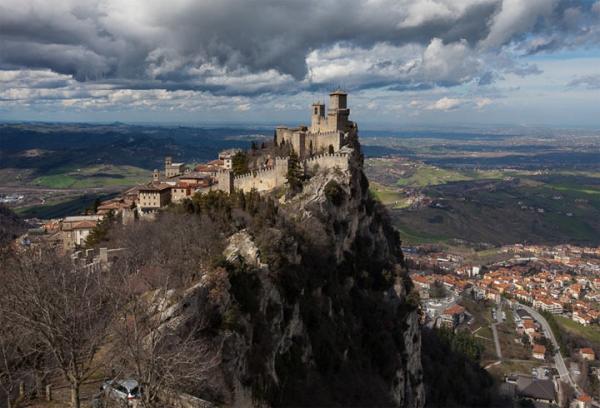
(537, 389)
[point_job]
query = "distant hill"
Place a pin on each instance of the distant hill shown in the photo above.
(48, 148)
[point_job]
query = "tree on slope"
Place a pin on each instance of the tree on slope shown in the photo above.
(62, 310)
(294, 173)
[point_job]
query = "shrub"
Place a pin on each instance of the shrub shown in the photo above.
(334, 193)
(231, 319)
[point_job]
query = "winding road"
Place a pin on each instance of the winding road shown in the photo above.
(563, 372)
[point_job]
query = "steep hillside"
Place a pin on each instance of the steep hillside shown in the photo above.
(311, 306)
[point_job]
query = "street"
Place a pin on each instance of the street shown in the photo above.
(495, 331)
(561, 367)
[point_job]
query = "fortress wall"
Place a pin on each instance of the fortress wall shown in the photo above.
(284, 134)
(264, 179)
(327, 161)
(329, 138)
(224, 181)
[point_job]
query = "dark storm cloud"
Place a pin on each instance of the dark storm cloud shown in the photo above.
(251, 47)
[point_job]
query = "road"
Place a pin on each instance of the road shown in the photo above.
(563, 372)
(495, 331)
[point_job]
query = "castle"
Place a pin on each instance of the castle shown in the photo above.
(323, 145)
(327, 132)
(320, 146)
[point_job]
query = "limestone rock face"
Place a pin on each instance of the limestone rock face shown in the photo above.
(317, 311)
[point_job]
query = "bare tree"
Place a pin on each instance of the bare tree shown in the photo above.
(65, 310)
(152, 339)
(10, 367)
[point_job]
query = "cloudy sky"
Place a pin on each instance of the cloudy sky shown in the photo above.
(404, 62)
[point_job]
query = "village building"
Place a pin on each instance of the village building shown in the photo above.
(587, 353)
(538, 352)
(173, 169)
(582, 318)
(154, 196)
(583, 401)
(226, 156)
(76, 229)
(535, 389)
(453, 316)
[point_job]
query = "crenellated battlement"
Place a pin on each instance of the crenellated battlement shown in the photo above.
(320, 157)
(325, 133)
(268, 178)
(280, 162)
(254, 173)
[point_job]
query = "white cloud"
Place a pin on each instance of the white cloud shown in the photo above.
(481, 103)
(445, 104)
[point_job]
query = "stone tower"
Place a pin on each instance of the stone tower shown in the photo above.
(337, 116)
(225, 181)
(318, 120)
(168, 163)
(156, 176)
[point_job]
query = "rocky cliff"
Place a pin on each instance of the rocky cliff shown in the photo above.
(314, 309)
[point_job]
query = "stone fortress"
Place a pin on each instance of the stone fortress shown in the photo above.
(322, 145)
(327, 132)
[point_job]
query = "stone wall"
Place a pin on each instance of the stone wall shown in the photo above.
(322, 141)
(224, 181)
(264, 179)
(326, 161)
(276, 176)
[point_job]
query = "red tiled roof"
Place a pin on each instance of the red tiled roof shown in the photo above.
(539, 349)
(454, 309)
(84, 225)
(585, 398)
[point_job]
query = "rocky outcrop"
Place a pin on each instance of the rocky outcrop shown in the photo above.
(315, 309)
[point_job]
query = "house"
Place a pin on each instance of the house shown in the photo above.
(154, 195)
(227, 157)
(421, 281)
(583, 401)
(587, 354)
(548, 305)
(529, 326)
(173, 169)
(76, 229)
(582, 318)
(538, 351)
(181, 191)
(536, 390)
(492, 295)
(453, 316)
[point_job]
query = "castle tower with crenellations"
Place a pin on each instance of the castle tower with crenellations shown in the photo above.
(329, 129)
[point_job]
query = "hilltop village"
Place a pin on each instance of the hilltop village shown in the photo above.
(325, 144)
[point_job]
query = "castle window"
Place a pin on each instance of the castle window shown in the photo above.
(316, 110)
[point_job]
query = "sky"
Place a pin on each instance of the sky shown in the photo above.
(403, 62)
